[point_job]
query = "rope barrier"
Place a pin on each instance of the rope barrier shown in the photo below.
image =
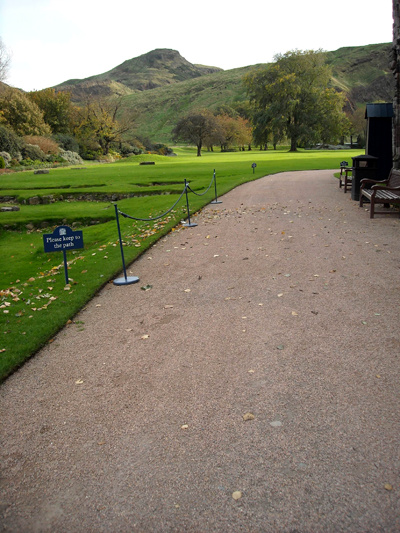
(206, 191)
(126, 280)
(157, 217)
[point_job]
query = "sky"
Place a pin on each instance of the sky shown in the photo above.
(52, 41)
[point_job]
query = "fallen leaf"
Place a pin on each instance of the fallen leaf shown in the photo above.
(236, 495)
(185, 426)
(187, 290)
(275, 423)
(280, 294)
(251, 371)
(98, 305)
(294, 313)
(388, 486)
(146, 287)
(168, 306)
(79, 381)
(145, 337)
(248, 416)
(280, 347)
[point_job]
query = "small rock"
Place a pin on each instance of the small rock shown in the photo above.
(248, 416)
(236, 495)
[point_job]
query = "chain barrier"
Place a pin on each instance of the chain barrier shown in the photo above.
(206, 191)
(157, 217)
(126, 280)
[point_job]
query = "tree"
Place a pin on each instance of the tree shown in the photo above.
(5, 60)
(21, 114)
(56, 108)
(102, 122)
(200, 129)
(358, 126)
(236, 131)
(291, 97)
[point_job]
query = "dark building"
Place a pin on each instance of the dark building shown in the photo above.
(379, 136)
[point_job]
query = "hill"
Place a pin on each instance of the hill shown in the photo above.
(155, 69)
(162, 86)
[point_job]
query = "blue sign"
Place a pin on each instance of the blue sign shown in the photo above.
(62, 239)
(254, 165)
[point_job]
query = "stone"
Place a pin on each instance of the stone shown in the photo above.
(34, 200)
(9, 208)
(42, 171)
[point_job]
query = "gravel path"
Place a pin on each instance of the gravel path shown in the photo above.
(253, 388)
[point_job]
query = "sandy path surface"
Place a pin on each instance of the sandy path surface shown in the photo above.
(281, 307)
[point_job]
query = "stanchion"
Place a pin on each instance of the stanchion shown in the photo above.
(189, 224)
(216, 201)
(126, 280)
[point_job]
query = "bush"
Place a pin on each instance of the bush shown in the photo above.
(47, 145)
(7, 157)
(126, 149)
(162, 149)
(2, 162)
(10, 142)
(73, 158)
(66, 142)
(32, 152)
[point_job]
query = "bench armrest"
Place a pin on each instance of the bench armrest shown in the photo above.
(380, 188)
(367, 181)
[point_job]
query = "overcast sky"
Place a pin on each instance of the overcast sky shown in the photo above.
(52, 41)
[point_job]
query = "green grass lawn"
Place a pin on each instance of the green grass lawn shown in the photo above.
(34, 301)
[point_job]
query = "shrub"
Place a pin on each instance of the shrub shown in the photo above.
(162, 149)
(73, 158)
(30, 151)
(66, 142)
(2, 162)
(47, 145)
(10, 142)
(7, 157)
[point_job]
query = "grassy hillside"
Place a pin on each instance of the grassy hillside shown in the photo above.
(157, 68)
(162, 86)
(159, 109)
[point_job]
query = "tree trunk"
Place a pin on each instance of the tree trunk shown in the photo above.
(199, 149)
(293, 145)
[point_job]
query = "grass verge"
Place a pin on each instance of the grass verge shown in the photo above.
(34, 301)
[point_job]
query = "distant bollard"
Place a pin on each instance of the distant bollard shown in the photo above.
(189, 224)
(254, 166)
(215, 201)
(126, 280)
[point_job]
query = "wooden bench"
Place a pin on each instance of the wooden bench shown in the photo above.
(385, 192)
(345, 177)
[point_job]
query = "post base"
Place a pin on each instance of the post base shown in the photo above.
(216, 202)
(191, 225)
(126, 281)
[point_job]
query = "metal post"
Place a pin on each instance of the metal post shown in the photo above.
(126, 280)
(216, 201)
(65, 267)
(190, 224)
